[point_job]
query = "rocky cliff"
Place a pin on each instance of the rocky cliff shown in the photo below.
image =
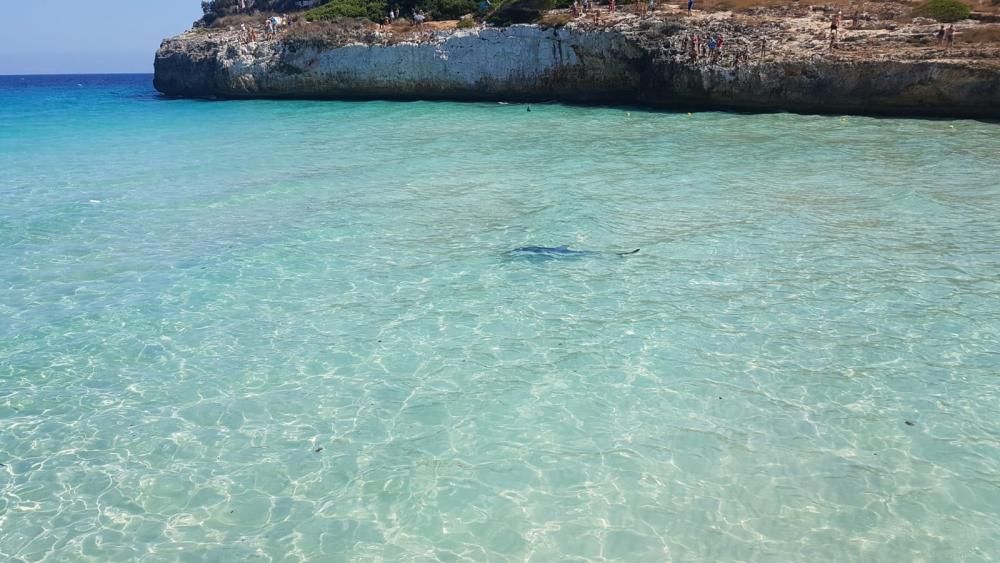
(520, 62)
(763, 66)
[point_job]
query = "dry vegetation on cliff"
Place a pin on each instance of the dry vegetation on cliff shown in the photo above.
(771, 29)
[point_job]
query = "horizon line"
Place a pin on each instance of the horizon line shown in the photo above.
(21, 75)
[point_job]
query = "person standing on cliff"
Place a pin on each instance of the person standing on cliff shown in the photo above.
(613, 6)
(949, 37)
(690, 3)
(834, 26)
(940, 36)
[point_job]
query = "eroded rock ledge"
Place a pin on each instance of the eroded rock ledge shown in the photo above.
(647, 63)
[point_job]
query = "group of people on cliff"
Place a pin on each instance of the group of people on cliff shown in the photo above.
(273, 24)
(643, 8)
(418, 17)
(946, 37)
(836, 22)
(710, 48)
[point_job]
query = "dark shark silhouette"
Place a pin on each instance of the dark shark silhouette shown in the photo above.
(562, 252)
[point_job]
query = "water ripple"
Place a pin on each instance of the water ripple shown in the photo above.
(289, 332)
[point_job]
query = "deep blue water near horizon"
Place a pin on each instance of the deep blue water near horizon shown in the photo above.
(290, 331)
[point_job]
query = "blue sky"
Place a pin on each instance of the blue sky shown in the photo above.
(88, 36)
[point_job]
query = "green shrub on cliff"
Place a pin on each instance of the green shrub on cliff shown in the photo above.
(519, 11)
(947, 11)
(449, 9)
(376, 10)
(214, 9)
(372, 9)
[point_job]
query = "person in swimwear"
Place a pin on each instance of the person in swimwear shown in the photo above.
(834, 27)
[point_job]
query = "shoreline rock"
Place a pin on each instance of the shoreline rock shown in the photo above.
(630, 62)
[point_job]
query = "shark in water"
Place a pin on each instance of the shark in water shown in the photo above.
(561, 252)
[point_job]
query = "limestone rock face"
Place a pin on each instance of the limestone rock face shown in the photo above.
(186, 66)
(519, 62)
(530, 63)
(817, 86)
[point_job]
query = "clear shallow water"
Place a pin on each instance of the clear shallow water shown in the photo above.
(198, 297)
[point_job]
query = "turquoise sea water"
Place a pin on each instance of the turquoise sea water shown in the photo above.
(289, 331)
